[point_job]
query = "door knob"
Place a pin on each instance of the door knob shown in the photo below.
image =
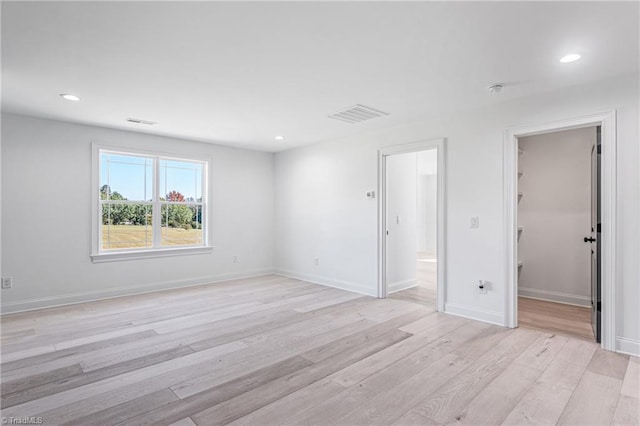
(589, 239)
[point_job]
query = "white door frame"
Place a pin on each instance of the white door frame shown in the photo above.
(439, 145)
(607, 121)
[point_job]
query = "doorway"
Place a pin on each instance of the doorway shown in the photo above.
(606, 246)
(411, 253)
(557, 219)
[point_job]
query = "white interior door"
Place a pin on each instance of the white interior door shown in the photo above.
(595, 240)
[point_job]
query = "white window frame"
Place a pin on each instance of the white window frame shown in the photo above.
(98, 254)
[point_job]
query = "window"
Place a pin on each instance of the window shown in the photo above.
(148, 205)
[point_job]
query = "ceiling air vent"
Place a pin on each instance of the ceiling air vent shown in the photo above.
(139, 121)
(357, 113)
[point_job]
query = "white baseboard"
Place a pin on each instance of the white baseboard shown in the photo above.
(628, 346)
(401, 285)
(555, 296)
(329, 282)
(70, 299)
(474, 313)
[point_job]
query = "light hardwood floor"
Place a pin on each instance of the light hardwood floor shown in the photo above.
(426, 278)
(574, 321)
(271, 350)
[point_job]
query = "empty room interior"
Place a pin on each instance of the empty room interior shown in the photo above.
(320, 213)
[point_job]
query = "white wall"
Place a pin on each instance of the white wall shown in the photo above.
(46, 216)
(402, 243)
(427, 200)
(555, 213)
(321, 208)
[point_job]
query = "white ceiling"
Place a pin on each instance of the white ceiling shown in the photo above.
(240, 73)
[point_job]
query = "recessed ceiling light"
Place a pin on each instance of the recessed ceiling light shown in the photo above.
(279, 138)
(69, 97)
(570, 58)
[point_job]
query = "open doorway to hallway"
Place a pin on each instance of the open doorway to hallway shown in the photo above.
(411, 213)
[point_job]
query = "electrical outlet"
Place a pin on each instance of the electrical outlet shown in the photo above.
(316, 261)
(235, 259)
(7, 282)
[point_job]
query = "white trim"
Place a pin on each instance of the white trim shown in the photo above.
(628, 346)
(607, 121)
(474, 313)
(89, 296)
(98, 255)
(326, 281)
(555, 296)
(401, 285)
(438, 144)
(147, 254)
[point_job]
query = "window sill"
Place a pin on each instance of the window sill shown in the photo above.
(148, 254)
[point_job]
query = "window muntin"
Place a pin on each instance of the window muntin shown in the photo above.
(150, 202)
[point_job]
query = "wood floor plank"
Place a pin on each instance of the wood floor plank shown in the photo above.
(434, 319)
(8, 357)
(367, 367)
(263, 357)
(578, 352)
(411, 418)
(593, 402)
(340, 345)
(328, 302)
(10, 387)
(542, 352)
(126, 410)
(483, 341)
(545, 402)
(450, 400)
(283, 410)
(609, 363)
(390, 379)
(257, 398)
(275, 350)
(216, 395)
(81, 392)
(389, 406)
(555, 317)
(631, 382)
(627, 411)
(502, 395)
(22, 362)
(184, 422)
(31, 393)
(541, 405)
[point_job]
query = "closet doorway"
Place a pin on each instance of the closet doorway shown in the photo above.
(595, 250)
(558, 217)
(411, 223)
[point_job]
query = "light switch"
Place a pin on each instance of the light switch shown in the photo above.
(475, 222)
